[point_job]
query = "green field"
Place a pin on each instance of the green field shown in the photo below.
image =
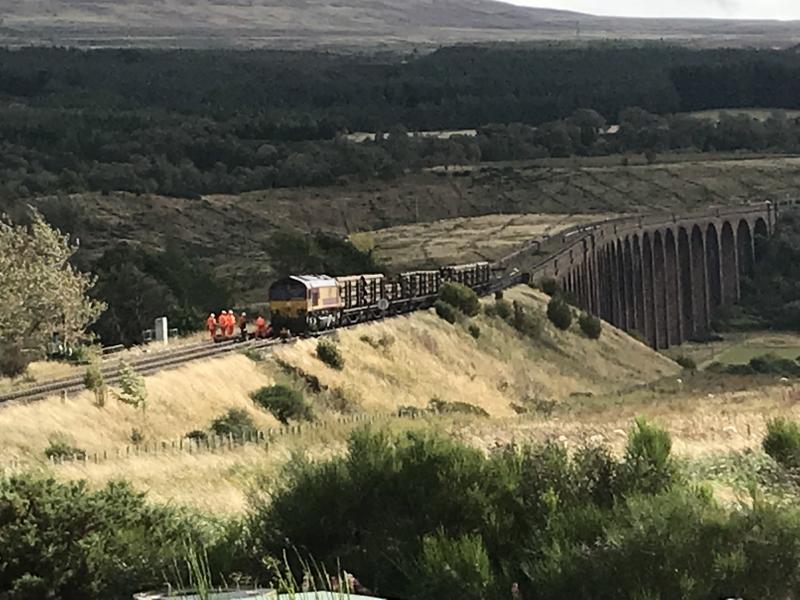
(740, 348)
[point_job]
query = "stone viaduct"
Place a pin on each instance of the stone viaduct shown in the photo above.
(659, 275)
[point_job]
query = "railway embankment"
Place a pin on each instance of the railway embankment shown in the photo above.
(416, 365)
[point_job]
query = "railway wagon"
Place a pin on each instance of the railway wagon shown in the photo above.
(309, 303)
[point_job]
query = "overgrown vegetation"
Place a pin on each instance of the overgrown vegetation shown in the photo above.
(555, 524)
(559, 313)
(782, 443)
(236, 422)
(591, 326)
(765, 364)
(61, 540)
(329, 353)
(60, 447)
(687, 363)
(448, 312)
(460, 297)
(284, 403)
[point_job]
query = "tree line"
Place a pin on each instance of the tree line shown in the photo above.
(197, 122)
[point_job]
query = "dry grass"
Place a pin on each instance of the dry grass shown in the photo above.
(179, 401)
(430, 358)
(465, 239)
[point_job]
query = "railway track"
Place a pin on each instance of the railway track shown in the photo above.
(112, 367)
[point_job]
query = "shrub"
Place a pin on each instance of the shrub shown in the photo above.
(236, 422)
(498, 295)
(442, 407)
(474, 330)
(137, 437)
(448, 312)
(591, 326)
(453, 568)
(329, 353)
(13, 361)
(284, 403)
(549, 286)
(525, 322)
(133, 389)
(648, 466)
(461, 297)
(503, 309)
(95, 382)
(197, 434)
(782, 442)
(61, 448)
(559, 313)
(61, 540)
(687, 363)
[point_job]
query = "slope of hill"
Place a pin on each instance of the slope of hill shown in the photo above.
(316, 23)
(405, 361)
(234, 233)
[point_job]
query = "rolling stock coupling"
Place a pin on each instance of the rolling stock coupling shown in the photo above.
(311, 303)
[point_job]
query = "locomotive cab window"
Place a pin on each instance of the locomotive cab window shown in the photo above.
(287, 289)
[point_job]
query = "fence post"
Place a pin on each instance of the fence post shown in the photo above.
(180, 444)
(105, 455)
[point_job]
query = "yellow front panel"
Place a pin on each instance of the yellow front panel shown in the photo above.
(289, 308)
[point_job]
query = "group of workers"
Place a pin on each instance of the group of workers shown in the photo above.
(226, 324)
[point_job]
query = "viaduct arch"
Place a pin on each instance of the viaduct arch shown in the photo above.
(660, 275)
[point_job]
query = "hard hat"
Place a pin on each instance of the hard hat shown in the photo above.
(213, 315)
(224, 312)
(244, 314)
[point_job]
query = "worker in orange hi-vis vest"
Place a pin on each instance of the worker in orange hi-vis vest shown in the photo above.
(223, 323)
(231, 323)
(261, 327)
(211, 325)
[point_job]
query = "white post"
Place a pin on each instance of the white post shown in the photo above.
(162, 330)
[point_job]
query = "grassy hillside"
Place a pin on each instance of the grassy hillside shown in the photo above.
(349, 23)
(233, 233)
(400, 362)
(463, 239)
(564, 387)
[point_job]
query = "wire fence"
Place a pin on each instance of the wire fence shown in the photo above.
(210, 443)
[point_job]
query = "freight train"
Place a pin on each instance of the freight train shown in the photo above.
(309, 303)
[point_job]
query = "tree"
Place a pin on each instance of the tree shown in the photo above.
(41, 292)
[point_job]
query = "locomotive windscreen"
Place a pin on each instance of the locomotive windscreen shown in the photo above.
(287, 289)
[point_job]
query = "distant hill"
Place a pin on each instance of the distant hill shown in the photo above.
(344, 23)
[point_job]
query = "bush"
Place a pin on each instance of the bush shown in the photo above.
(13, 361)
(559, 313)
(329, 353)
(137, 437)
(448, 312)
(549, 286)
(95, 382)
(197, 434)
(61, 540)
(284, 403)
(687, 363)
(503, 309)
(236, 422)
(442, 407)
(648, 466)
(461, 297)
(474, 330)
(61, 448)
(453, 568)
(526, 323)
(591, 326)
(782, 442)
